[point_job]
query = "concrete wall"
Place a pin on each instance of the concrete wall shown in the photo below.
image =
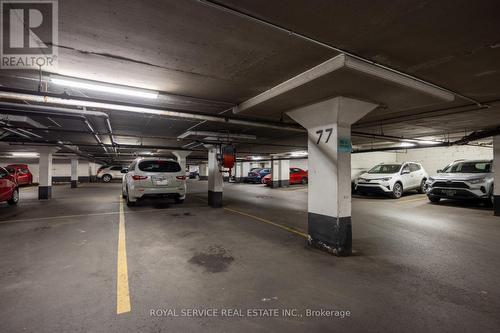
(61, 168)
(437, 158)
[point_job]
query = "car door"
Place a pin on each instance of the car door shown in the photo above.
(417, 174)
(22, 176)
(294, 176)
(116, 172)
(5, 185)
(406, 177)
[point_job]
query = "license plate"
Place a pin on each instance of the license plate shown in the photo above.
(449, 193)
(161, 181)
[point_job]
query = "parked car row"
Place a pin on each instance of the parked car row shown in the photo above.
(461, 180)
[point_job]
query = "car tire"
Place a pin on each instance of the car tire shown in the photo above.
(397, 191)
(106, 178)
(421, 189)
(434, 199)
(15, 197)
(304, 181)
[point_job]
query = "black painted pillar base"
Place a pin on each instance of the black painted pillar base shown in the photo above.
(203, 178)
(284, 183)
(215, 199)
(275, 184)
(330, 233)
(74, 184)
(496, 205)
(44, 192)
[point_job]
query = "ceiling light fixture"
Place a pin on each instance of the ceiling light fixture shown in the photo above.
(23, 154)
(298, 153)
(103, 87)
(407, 144)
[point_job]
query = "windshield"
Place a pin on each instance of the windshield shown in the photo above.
(385, 168)
(469, 167)
(159, 166)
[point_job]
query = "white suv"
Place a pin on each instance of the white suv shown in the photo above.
(107, 173)
(393, 179)
(154, 178)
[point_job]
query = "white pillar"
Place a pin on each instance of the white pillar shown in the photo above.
(245, 170)
(45, 173)
(284, 171)
(203, 171)
(328, 125)
(238, 172)
(181, 157)
(74, 172)
(496, 168)
(215, 180)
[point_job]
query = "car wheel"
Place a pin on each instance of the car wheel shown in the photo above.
(421, 189)
(15, 197)
(304, 181)
(434, 199)
(106, 178)
(397, 191)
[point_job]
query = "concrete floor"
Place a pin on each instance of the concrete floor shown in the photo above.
(416, 267)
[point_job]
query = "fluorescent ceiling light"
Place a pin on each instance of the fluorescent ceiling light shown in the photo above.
(256, 158)
(428, 142)
(299, 153)
(407, 144)
(24, 154)
(103, 87)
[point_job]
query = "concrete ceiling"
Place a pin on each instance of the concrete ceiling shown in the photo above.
(214, 59)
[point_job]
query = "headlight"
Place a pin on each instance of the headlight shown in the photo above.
(431, 179)
(361, 180)
(477, 180)
(386, 179)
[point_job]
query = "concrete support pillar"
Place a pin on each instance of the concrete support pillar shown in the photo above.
(215, 180)
(74, 172)
(245, 170)
(496, 181)
(181, 157)
(238, 172)
(203, 171)
(280, 172)
(328, 124)
(45, 173)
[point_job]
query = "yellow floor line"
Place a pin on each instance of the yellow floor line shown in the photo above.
(292, 230)
(412, 200)
(122, 289)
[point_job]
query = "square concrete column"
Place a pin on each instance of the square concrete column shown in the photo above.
(203, 171)
(245, 170)
(284, 173)
(74, 172)
(181, 158)
(328, 126)
(496, 181)
(215, 180)
(238, 172)
(45, 173)
(275, 172)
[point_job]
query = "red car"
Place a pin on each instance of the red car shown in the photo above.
(21, 172)
(8, 187)
(297, 176)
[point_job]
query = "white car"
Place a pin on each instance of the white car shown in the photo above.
(149, 177)
(110, 172)
(393, 179)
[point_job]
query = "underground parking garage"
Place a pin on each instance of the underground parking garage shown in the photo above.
(244, 165)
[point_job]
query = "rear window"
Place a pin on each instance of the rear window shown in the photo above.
(159, 166)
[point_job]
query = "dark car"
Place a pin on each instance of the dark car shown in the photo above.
(21, 172)
(255, 176)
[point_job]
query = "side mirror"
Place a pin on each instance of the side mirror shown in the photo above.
(439, 171)
(124, 171)
(404, 172)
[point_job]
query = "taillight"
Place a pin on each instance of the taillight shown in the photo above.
(181, 177)
(136, 177)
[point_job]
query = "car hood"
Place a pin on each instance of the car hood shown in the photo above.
(461, 176)
(367, 175)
